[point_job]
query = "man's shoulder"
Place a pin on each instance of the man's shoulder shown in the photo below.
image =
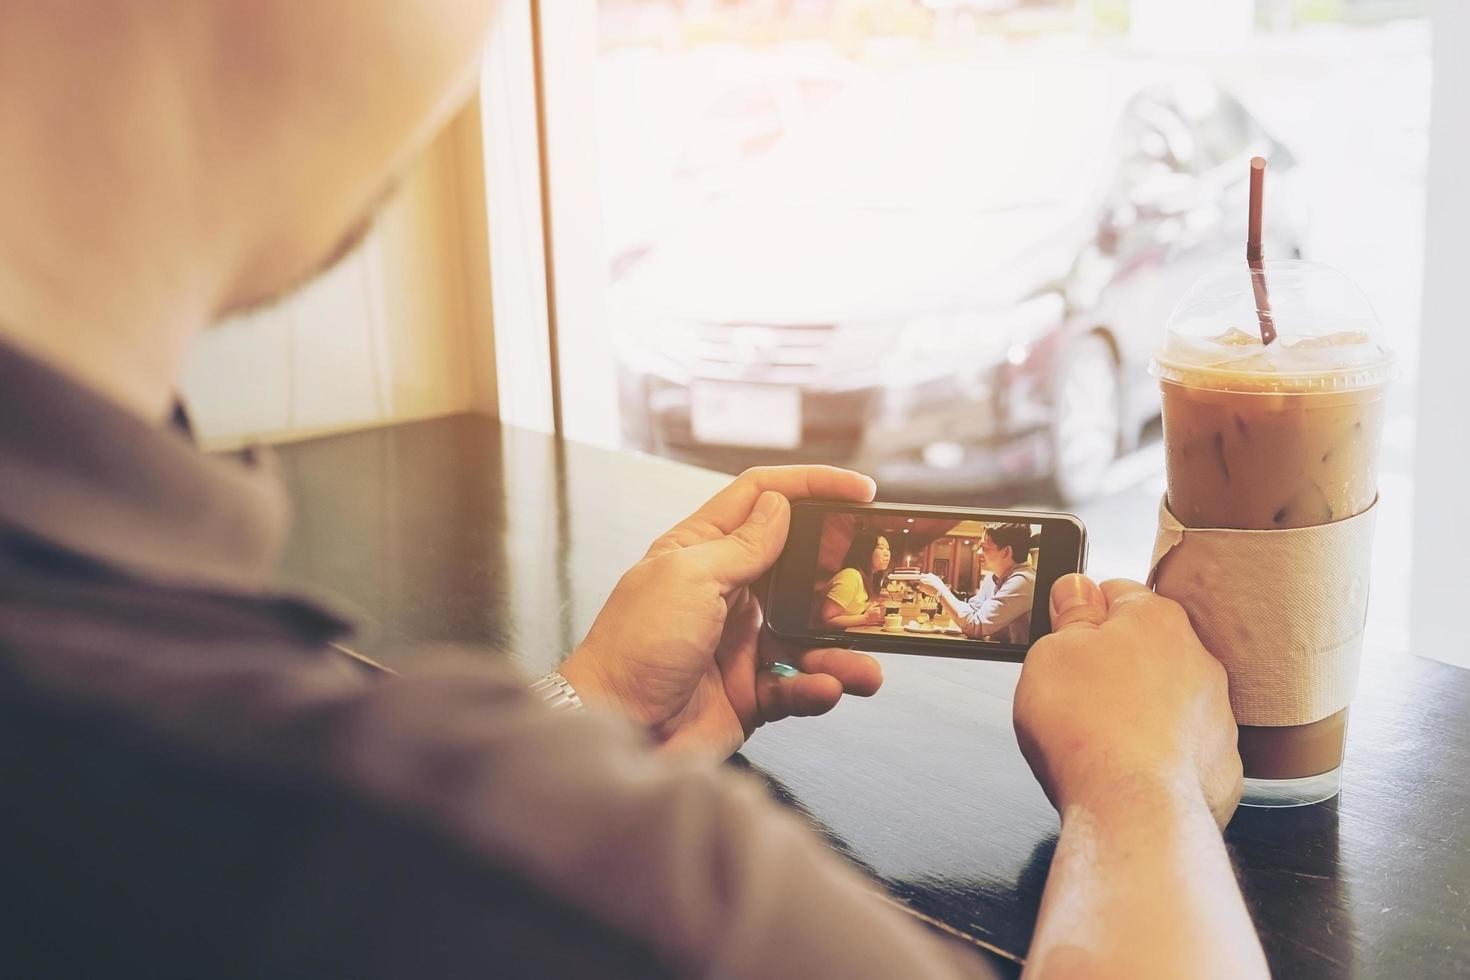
(1021, 580)
(297, 797)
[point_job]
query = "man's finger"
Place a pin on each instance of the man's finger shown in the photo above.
(1116, 588)
(1077, 601)
(747, 552)
(858, 673)
(802, 695)
(729, 508)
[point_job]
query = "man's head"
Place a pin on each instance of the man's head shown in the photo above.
(1005, 545)
(167, 161)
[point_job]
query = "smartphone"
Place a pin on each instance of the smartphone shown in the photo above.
(940, 581)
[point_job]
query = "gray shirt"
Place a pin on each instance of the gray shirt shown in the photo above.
(197, 784)
(1002, 609)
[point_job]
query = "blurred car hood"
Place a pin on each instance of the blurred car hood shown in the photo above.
(852, 265)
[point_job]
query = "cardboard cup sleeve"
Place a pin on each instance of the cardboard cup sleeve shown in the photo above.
(1283, 610)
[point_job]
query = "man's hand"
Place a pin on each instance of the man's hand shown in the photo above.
(1125, 719)
(679, 646)
(930, 584)
(1122, 690)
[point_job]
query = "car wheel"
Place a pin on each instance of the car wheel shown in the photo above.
(1087, 418)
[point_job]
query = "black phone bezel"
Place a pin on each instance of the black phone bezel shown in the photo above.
(1063, 549)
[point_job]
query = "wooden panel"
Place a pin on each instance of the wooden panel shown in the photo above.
(398, 330)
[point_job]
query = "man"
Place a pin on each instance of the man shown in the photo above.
(1001, 607)
(196, 785)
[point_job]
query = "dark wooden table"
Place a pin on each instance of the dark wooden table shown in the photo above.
(463, 530)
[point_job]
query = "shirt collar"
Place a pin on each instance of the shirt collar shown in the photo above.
(83, 474)
(1018, 568)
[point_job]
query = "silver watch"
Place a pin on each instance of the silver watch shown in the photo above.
(556, 692)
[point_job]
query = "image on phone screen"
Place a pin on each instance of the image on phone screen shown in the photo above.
(966, 581)
(909, 578)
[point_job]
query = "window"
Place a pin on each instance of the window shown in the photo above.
(937, 242)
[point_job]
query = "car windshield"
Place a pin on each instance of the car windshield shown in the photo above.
(957, 139)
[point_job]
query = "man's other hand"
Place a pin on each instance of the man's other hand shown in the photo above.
(1120, 692)
(679, 647)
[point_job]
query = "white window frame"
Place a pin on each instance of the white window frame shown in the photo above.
(548, 273)
(514, 203)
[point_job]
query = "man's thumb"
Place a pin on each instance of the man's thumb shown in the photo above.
(748, 552)
(1077, 599)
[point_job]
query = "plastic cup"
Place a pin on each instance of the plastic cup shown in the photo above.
(1278, 436)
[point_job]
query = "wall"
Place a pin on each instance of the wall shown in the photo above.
(398, 330)
(1441, 475)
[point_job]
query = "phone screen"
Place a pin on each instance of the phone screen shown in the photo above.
(951, 583)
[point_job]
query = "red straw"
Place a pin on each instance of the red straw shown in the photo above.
(1253, 255)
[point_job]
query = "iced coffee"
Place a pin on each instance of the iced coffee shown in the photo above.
(1275, 436)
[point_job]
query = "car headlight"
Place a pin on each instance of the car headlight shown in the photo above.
(929, 346)
(645, 345)
(1033, 322)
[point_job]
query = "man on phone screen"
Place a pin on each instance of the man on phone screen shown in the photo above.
(1001, 608)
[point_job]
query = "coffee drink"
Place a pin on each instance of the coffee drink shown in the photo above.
(1272, 437)
(1237, 458)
